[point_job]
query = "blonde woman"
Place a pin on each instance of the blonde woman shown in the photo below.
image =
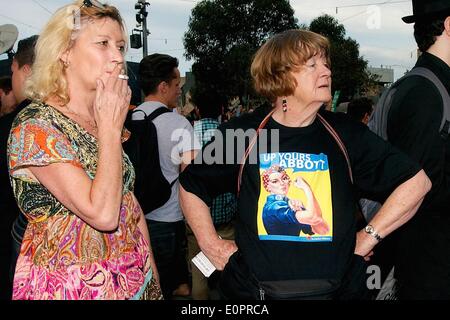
(86, 237)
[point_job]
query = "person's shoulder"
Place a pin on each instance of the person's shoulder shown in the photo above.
(333, 116)
(206, 124)
(34, 111)
(170, 120)
(413, 83)
(415, 97)
(177, 119)
(36, 108)
(343, 124)
(247, 120)
(414, 89)
(340, 119)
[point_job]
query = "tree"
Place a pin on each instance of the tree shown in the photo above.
(223, 36)
(349, 69)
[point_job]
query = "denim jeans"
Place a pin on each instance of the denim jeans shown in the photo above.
(168, 240)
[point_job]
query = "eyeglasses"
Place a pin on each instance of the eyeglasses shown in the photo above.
(90, 3)
(77, 13)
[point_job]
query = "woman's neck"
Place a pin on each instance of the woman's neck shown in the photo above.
(297, 115)
(81, 102)
(82, 105)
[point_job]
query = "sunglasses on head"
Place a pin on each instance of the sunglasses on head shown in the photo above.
(92, 3)
(77, 13)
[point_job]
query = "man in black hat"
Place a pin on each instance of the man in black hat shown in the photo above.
(423, 244)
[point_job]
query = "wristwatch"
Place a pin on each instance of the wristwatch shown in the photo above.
(370, 230)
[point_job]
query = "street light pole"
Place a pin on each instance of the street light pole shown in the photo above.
(144, 27)
(141, 18)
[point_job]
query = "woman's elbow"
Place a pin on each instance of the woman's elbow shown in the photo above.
(424, 182)
(107, 226)
(107, 222)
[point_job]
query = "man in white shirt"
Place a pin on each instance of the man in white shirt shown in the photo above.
(159, 78)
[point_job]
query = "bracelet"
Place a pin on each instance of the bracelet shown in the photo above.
(371, 230)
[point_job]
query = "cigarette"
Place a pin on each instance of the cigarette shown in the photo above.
(123, 77)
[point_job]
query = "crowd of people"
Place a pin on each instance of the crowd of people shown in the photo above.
(270, 195)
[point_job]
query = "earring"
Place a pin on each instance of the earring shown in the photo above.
(66, 64)
(284, 105)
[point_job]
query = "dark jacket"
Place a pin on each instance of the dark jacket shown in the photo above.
(413, 126)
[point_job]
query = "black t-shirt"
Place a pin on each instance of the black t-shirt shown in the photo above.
(309, 153)
(413, 127)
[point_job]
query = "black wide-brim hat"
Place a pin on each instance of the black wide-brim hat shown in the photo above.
(426, 9)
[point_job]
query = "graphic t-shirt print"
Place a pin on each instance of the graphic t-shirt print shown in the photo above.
(295, 200)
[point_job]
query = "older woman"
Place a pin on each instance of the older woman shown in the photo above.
(87, 237)
(341, 160)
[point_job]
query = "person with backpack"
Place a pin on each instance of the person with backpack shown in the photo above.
(159, 79)
(417, 122)
(338, 158)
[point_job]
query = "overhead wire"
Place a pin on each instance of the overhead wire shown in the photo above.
(372, 4)
(367, 4)
(20, 22)
(40, 5)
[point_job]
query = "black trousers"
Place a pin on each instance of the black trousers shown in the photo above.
(423, 259)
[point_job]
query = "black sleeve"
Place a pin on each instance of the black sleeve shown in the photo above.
(413, 127)
(378, 167)
(211, 173)
(414, 119)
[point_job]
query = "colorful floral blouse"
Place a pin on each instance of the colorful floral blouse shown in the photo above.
(61, 256)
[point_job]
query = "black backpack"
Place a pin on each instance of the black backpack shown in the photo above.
(378, 121)
(151, 188)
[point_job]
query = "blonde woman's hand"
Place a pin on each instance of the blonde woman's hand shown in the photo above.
(112, 101)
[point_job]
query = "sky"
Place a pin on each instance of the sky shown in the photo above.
(375, 24)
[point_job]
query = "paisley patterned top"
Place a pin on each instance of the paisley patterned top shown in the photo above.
(61, 256)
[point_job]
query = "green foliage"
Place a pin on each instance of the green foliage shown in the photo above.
(349, 69)
(223, 36)
(328, 26)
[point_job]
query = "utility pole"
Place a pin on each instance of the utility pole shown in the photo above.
(141, 18)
